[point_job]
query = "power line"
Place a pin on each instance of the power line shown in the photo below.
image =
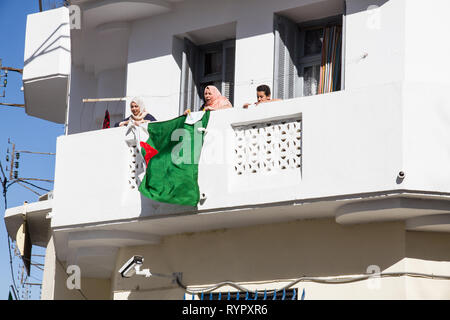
(25, 151)
(12, 105)
(6, 183)
(12, 69)
(43, 189)
(34, 179)
(28, 188)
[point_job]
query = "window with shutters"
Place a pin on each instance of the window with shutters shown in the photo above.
(308, 57)
(209, 64)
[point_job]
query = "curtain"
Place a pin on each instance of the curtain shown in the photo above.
(330, 69)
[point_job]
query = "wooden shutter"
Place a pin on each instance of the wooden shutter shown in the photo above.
(286, 82)
(229, 48)
(189, 97)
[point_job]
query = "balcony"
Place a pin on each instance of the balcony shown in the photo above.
(335, 155)
(330, 150)
(47, 64)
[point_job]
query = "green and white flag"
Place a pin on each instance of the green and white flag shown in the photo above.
(172, 153)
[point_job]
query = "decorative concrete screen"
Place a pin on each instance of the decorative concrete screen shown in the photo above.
(268, 146)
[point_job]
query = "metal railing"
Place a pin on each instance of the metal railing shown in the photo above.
(284, 294)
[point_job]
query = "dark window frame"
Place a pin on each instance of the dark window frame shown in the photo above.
(303, 61)
(289, 58)
(193, 78)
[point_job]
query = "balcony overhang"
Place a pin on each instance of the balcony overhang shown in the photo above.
(37, 217)
(79, 244)
(47, 64)
(46, 97)
(99, 12)
(392, 209)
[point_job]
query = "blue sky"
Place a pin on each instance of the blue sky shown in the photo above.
(28, 133)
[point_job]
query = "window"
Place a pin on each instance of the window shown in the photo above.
(290, 294)
(307, 57)
(210, 64)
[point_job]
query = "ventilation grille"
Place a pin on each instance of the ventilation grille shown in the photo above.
(267, 147)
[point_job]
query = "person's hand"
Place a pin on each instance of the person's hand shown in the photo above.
(187, 112)
(209, 108)
(123, 123)
(245, 106)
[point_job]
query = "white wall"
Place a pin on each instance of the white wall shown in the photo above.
(426, 136)
(425, 51)
(46, 70)
(84, 85)
(378, 32)
(47, 44)
(268, 257)
(111, 84)
(429, 253)
(54, 281)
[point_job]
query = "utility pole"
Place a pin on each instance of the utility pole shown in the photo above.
(5, 82)
(14, 164)
(12, 159)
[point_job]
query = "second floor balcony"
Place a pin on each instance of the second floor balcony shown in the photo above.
(353, 155)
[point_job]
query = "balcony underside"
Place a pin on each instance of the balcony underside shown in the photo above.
(95, 247)
(38, 221)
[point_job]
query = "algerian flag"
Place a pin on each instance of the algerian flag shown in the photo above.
(172, 152)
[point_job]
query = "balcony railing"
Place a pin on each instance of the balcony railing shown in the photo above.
(313, 155)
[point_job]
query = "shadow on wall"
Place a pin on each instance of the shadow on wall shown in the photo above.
(46, 46)
(431, 246)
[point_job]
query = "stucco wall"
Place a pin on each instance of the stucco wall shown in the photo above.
(269, 253)
(269, 256)
(428, 252)
(54, 282)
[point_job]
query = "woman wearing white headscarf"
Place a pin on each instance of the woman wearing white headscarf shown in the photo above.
(138, 114)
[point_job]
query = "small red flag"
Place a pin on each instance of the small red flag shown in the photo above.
(106, 121)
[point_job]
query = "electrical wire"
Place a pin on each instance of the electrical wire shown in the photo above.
(14, 291)
(5, 188)
(28, 188)
(322, 280)
(31, 184)
(11, 266)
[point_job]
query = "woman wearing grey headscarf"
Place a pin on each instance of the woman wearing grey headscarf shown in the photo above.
(138, 114)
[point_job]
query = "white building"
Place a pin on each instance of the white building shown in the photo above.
(357, 179)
